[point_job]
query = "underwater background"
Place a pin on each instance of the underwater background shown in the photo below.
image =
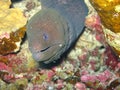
(76, 57)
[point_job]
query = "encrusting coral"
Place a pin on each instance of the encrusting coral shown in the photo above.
(12, 27)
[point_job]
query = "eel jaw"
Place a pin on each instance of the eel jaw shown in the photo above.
(49, 53)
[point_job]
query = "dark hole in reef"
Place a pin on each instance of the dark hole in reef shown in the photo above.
(13, 1)
(24, 38)
(102, 47)
(16, 0)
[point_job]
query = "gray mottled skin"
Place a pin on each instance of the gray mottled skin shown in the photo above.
(53, 29)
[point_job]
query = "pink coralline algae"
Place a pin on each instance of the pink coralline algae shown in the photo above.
(98, 79)
(16, 62)
(88, 78)
(5, 68)
(6, 35)
(111, 59)
(60, 84)
(103, 77)
(80, 86)
(6, 73)
(50, 74)
(93, 22)
(9, 78)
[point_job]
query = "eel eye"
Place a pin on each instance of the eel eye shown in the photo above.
(45, 36)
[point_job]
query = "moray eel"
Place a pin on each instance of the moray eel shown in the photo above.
(55, 27)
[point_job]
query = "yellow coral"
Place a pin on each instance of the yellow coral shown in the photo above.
(109, 12)
(5, 4)
(11, 19)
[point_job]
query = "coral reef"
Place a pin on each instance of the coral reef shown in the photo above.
(90, 64)
(108, 11)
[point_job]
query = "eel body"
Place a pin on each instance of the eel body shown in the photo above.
(55, 27)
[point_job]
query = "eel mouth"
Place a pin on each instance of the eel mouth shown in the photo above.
(43, 50)
(47, 53)
(51, 46)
